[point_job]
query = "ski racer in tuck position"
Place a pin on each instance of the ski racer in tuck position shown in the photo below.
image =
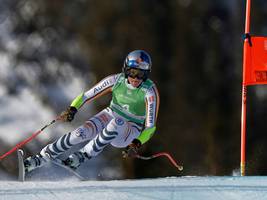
(129, 121)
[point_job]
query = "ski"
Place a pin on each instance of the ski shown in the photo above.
(21, 175)
(59, 162)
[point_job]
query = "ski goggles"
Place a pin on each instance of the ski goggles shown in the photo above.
(136, 73)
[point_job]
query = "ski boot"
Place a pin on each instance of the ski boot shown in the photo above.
(76, 159)
(34, 162)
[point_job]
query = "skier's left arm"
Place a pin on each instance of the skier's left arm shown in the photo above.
(152, 107)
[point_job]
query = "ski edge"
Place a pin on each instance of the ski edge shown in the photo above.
(59, 163)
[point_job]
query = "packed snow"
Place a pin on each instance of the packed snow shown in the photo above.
(180, 188)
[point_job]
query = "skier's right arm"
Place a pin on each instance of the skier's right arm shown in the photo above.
(101, 88)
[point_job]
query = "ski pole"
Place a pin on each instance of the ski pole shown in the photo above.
(27, 140)
(179, 167)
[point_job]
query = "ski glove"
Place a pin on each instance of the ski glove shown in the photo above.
(68, 115)
(132, 149)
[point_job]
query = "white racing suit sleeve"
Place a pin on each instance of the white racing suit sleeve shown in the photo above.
(152, 107)
(101, 88)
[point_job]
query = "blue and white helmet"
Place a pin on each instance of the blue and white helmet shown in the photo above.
(138, 59)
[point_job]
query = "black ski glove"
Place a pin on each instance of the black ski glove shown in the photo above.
(132, 149)
(68, 115)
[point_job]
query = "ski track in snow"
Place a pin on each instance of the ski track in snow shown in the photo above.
(171, 188)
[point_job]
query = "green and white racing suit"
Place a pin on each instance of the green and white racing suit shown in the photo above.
(132, 113)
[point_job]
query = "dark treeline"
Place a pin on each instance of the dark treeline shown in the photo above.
(196, 49)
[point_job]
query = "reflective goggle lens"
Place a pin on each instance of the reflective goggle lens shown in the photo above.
(135, 73)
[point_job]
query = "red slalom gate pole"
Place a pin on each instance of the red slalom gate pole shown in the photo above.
(179, 167)
(26, 140)
(244, 94)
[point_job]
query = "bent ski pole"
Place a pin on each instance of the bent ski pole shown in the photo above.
(179, 167)
(27, 140)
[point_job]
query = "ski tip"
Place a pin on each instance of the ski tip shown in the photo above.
(21, 174)
(21, 152)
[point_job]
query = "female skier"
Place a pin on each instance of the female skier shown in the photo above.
(129, 121)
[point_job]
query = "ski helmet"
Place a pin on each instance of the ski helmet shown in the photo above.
(139, 60)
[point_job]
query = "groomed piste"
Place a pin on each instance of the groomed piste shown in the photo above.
(200, 188)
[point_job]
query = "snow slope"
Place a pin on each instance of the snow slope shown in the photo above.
(184, 188)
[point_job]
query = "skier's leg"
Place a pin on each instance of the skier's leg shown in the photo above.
(95, 146)
(54, 149)
(84, 133)
(125, 138)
